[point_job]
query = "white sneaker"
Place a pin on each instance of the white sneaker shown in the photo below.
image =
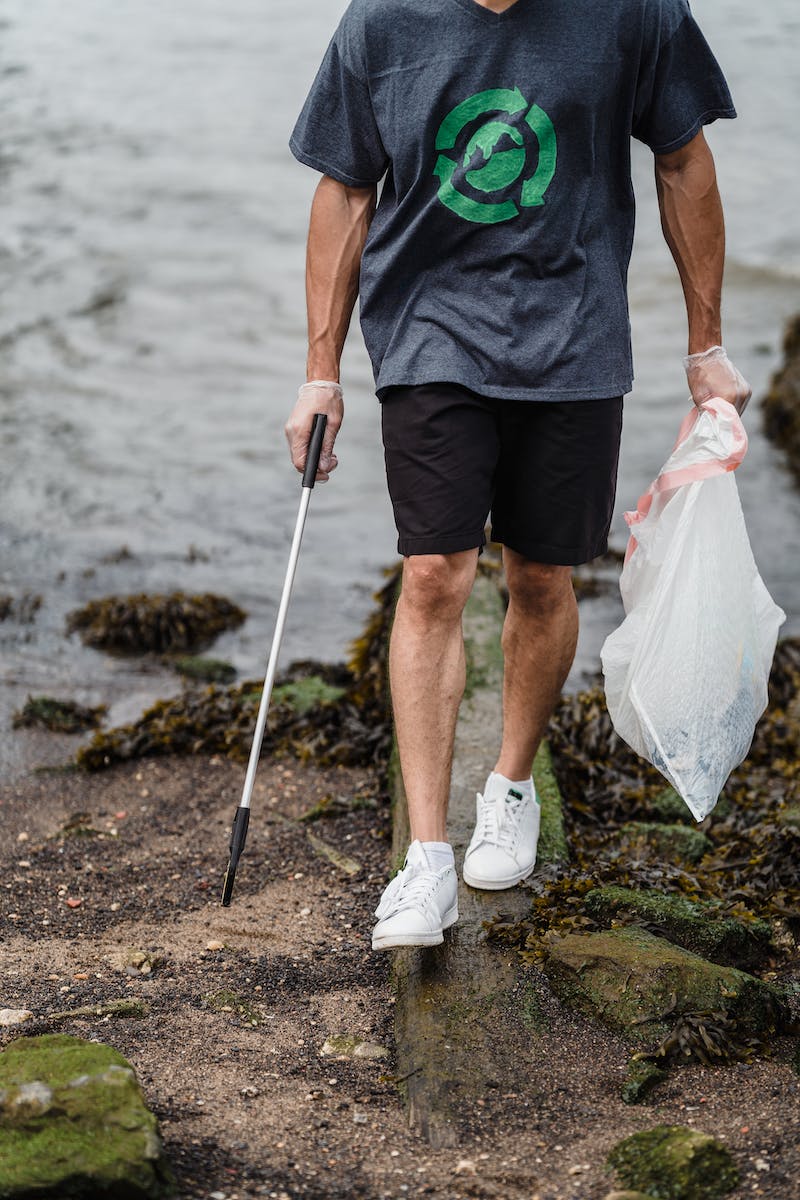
(502, 851)
(417, 905)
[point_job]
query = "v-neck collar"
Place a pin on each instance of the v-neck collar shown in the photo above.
(487, 14)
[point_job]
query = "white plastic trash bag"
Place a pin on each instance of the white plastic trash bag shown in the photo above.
(686, 672)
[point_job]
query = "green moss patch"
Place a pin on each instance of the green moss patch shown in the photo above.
(645, 838)
(73, 1123)
(699, 926)
(58, 716)
(205, 670)
(672, 1162)
(639, 985)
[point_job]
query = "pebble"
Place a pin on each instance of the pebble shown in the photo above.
(213, 945)
(14, 1016)
(73, 902)
(465, 1166)
(359, 1116)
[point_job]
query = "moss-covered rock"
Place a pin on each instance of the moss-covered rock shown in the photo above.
(781, 406)
(205, 670)
(672, 1162)
(640, 984)
(58, 716)
(667, 807)
(143, 623)
(73, 1123)
(643, 1075)
(648, 838)
(699, 926)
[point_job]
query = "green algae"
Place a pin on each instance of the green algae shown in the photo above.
(205, 670)
(73, 1123)
(643, 1076)
(672, 1162)
(552, 847)
(700, 926)
(665, 841)
(141, 624)
(226, 1001)
(58, 716)
(306, 693)
(639, 984)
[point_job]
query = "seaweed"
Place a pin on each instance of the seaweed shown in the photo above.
(20, 608)
(333, 714)
(750, 870)
(144, 623)
(781, 405)
(58, 716)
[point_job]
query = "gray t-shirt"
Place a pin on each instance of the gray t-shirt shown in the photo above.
(498, 255)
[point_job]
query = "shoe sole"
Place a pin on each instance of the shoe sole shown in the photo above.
(494, 885)
(390, 941)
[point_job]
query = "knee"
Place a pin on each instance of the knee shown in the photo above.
(537, 588)
(438, 585)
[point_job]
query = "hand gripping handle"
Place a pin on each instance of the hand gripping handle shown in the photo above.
(314, 449)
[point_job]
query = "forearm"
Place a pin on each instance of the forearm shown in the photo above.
(340, 219)
(694, 229)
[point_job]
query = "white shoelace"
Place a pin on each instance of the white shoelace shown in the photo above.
(499, 823)
(405, 891)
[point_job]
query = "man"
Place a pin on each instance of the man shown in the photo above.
(492, 281)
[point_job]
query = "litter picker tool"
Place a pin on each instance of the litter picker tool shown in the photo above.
(242, 818)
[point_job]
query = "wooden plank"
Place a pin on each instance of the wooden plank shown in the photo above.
(450, 998)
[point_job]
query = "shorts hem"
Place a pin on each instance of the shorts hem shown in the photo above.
(557, 556)
(436, 543)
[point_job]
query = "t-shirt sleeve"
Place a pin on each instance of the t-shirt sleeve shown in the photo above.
(680, 87)
(337, 132)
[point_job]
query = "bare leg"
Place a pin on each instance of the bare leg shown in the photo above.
(539, 639)
(428, 672)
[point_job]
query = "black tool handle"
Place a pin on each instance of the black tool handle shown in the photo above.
(314, 449)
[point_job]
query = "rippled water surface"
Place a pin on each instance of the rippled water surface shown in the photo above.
(152, 227)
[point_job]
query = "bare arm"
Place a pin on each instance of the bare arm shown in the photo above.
(340, 219)
(694, 229)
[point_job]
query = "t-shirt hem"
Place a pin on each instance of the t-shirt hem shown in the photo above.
(605, 391)
(705, 118)
(327, 168)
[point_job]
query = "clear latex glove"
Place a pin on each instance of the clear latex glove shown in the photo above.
(713, 374)
(317, 396)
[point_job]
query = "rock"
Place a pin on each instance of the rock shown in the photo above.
(58, 716)
(83, 1098)
(672, 1162)
(345, 1046)
(205, 670)
(649, 838)
(699, 926)
(343, 862)
(128, 1006)
(639, 984)
(782, 402)
(643, 1076)
(14, 1016)
(667, 807)
(370, 1050)
(628, 1196)
(215, 945)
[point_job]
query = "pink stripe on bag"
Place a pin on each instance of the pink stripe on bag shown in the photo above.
(669, 480)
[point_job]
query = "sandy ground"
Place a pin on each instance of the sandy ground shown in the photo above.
(248, 1105)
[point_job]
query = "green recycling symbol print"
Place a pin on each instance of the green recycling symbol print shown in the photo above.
(494, 157)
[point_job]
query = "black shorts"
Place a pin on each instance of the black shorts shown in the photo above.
(546, 471)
